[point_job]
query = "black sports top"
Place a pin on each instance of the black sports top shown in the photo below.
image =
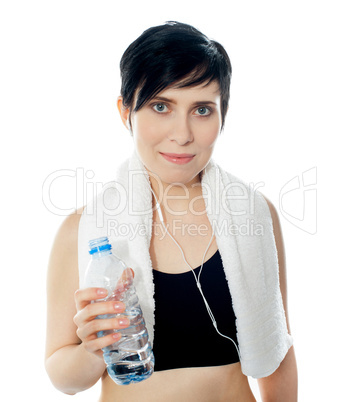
(184, 333)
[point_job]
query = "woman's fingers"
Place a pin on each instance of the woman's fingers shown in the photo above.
(94, 344)
(92, 310)
(90, 304)
(85, 296)
(102, 324)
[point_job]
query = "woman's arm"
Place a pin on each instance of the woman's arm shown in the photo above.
(281, 386)
(67, 362)
(74, 357)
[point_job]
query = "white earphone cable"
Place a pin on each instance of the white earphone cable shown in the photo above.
(211, 315)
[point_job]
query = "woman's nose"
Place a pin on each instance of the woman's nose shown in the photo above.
(181, 130)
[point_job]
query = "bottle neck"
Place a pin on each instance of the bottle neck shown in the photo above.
(100, 254)
(99, 247)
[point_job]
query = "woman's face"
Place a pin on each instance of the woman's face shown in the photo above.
(185, 122)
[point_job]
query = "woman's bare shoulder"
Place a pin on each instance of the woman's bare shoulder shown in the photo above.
(68, 230)
(64, 248)
(72, 221)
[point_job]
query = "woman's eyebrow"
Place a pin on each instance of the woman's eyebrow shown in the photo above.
(168, 100)
(162, 98)
(204, 103)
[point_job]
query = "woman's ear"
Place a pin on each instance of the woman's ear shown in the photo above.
(124, 112)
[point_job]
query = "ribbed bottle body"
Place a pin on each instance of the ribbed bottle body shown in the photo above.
(130, 359)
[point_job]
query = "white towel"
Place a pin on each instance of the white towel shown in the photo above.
(243, 229)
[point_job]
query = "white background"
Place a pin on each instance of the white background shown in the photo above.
(293, 109)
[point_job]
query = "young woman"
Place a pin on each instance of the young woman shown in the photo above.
(206, 338)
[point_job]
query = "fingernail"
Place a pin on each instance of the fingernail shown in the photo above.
(101, 292)
(123, 321)
(119, 306)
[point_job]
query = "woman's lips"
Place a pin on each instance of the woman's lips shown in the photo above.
(179, 159)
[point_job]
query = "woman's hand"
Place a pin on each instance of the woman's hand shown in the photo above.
(88, 325)
(71, 341)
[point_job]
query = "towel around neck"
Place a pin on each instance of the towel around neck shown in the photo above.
(241, 220)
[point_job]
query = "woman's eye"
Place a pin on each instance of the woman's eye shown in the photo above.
(160, 107)
(202, 111)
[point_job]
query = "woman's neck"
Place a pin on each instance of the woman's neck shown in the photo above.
(178, 199)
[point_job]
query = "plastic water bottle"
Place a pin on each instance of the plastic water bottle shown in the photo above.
(130, 359)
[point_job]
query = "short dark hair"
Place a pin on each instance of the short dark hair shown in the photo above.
(170, 54)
